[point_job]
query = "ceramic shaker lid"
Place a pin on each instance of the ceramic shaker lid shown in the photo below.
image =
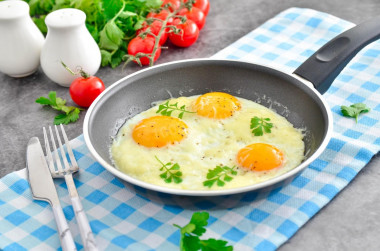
(64, 18)
(13, 9)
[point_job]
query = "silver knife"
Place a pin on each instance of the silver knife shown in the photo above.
(42, 186)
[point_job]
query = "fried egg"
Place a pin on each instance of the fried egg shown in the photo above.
(214, 131)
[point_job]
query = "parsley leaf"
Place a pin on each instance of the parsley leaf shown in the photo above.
(199, 220)
(260, 125)
(190, 243)
(106, 57)
(170, 173)
(111, 36)
(354, 110)
(220, 175)
(66, 118)
(166, 109)
(191, 232)
(69, 113)
(213, 245)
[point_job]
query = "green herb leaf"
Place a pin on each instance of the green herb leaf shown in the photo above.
(199, 219)
(40, 23)
(167, 109)
(171, 172)
(191, 233)
(213, 245)
(44, 101)
(354, 110)
(220, 175)
(112, 7)
(69, 113)
(106, 57)
(260, 125)
(111, 36)
(126, 14)
(117, 57)
(209, 183)
(66, 118)
(190, 243)
(38, 7)
(153, 4)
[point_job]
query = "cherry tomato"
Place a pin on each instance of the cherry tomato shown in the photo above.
(203, 5)
(161, 15)
(155, 28)
(83, 91)
(143, 45)
(187, 36)
(174, 4)
(195, 15)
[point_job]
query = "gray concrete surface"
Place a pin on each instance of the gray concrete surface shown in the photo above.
(350, 222)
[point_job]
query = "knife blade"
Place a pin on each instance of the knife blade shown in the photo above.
(40, 180)
(42, 187)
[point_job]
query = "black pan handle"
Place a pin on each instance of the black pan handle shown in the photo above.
(324, 65)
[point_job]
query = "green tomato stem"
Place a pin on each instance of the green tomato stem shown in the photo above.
(81, 71)
(163, 28)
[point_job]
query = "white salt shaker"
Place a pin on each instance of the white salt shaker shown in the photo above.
(20, 40)
(68, 41)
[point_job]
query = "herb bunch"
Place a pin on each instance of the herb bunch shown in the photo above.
(354, 110)
(260, 125)
(191, 233)
(67, 114)
(167, 109)
(112, 23)
(219, 175)
(171, 172)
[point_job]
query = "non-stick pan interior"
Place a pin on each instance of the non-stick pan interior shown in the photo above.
(274, 89)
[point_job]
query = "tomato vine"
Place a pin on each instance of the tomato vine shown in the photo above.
(163, 15)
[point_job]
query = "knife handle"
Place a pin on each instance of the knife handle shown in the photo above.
(84, 227)
(65, 236)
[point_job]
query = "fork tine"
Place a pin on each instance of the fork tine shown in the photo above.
(48, 153)
(57, 160)
(62, 150)
(69, 149)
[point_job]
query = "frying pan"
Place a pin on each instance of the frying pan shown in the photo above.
(296, 96)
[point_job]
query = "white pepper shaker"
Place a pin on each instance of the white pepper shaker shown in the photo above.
(68, 41)
(20, 40)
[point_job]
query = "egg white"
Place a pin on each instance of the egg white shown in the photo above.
(210, 142)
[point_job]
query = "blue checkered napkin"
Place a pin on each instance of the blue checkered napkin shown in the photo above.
(129, 217)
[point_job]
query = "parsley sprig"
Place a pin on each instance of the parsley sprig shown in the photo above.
(220, 175)
(191, 232)
(68, 113)
(354, 110)
(171, 172)
(260, 125)
(166, 109)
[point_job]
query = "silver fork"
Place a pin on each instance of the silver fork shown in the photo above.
(57, 171)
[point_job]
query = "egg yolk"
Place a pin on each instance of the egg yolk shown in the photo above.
(260, 157)
(159, 131)
(216, 105)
